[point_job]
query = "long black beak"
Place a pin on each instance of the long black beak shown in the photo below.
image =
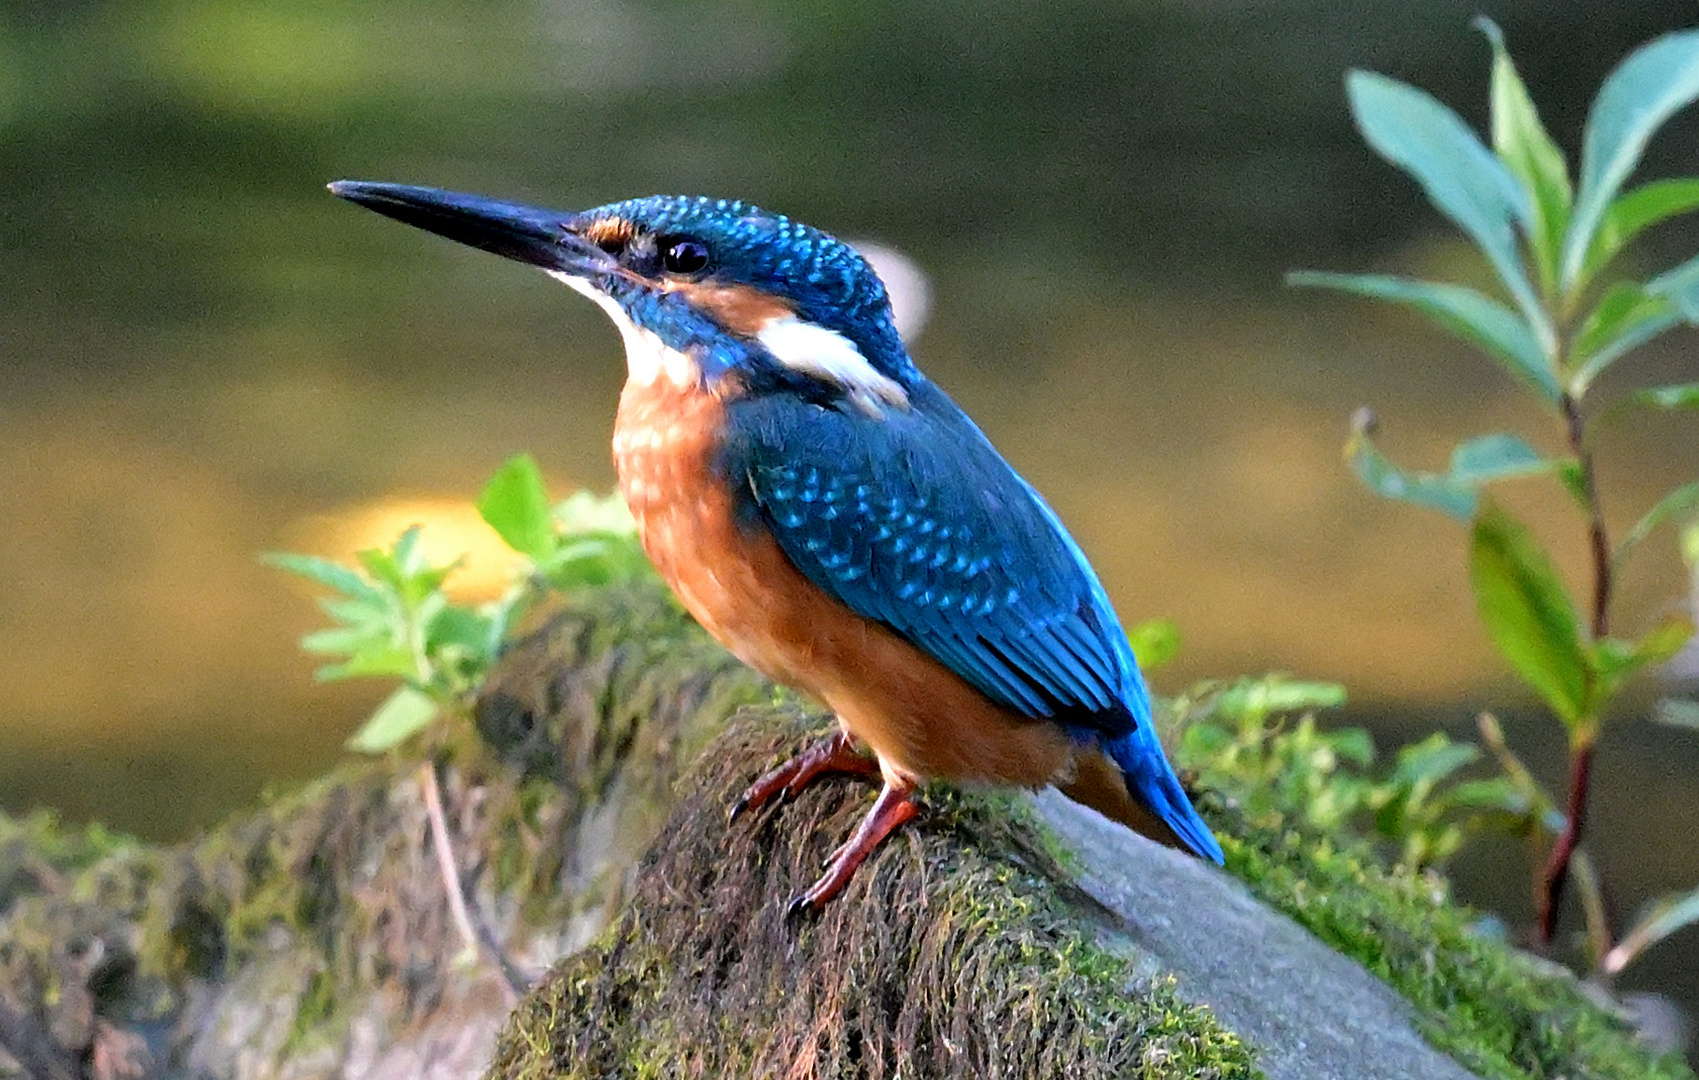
(525, 234)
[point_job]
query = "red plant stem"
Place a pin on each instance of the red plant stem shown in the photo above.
(1556, 872)
(1595, 519)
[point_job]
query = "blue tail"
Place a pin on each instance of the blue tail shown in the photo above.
(1151, 781)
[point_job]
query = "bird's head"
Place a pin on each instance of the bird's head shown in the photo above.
(703, 290)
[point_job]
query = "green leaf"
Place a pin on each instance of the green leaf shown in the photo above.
(1462, 178)
(1482, 321)
(384, 566)
(1523, 145)
(582, 512)
(595, 559)
(1663, 641)
(1678, 502)
(345, 640)
(1155, 642)
(1528, 614)
(1677, 712)
(1616, 660)
(1651, 85)
(1387, 480)
(359, 612)
(406, 556)
(1277, 694)
(1498, 793)
(402, 714)
(1202, 743)
(516, 506)
(1423, 764)
(452, 626)
(501, 616)
(1635, 212)
(379, 661)
(1668, 915)
(1679, 396)
(1499, 456)
(1681, 285)
(330, 574)
(1475, 463)
(1625, 318)
(1355, 745)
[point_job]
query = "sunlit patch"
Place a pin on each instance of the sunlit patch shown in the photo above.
(449, 529)
(610, 233)
(741, 309)
(826, 354)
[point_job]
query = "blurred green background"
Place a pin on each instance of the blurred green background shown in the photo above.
(205, 356)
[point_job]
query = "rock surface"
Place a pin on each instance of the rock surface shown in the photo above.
(1311, 1013)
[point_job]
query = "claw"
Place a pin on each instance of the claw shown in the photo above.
(738, 807)
(835, 754)
(896, 805)
(797, 910)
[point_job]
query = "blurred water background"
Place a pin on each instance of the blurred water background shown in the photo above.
(203, 355)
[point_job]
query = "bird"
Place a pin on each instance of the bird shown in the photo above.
(835, 520)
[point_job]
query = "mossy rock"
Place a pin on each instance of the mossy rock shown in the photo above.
(956, 951)
(1007, 937)
(997, 937)
(311, 937)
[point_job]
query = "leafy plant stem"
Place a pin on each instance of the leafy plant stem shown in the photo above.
(1599, 540)
(1556, 872)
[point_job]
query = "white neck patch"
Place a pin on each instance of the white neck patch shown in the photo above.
(826, 354)
(647, 358)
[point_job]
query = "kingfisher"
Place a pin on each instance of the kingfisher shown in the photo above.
(831, 516)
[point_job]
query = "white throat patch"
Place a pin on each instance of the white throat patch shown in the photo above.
(826, 354)
(647, 358)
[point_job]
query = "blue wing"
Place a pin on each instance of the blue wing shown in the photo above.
(914, 520)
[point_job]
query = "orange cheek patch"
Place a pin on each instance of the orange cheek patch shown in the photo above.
(738, 308)
(610, 233)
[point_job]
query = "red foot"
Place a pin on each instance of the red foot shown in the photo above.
(835, 754)
(895, 806)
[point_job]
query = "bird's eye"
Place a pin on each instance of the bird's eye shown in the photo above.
(682, 256)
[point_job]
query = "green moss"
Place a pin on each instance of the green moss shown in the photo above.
(1497, 1011)
(315, 1010)
(958, 951)
(38, 852)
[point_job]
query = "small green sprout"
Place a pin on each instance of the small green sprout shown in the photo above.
(395, 621)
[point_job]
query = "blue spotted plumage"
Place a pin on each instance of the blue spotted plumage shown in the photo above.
(917, 522)
(835, 519)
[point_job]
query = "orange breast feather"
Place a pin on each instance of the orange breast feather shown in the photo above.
(920, 718)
